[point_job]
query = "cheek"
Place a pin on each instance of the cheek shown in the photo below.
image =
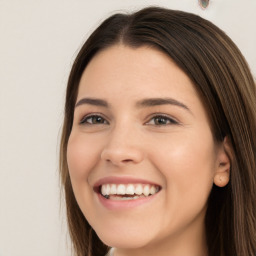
(187, 166)
(81, 156)
(187, 163)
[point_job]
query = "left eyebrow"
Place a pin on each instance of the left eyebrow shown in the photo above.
(161, 101)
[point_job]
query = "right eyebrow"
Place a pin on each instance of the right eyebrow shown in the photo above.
(92, 101)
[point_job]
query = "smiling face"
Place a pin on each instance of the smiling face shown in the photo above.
(141, 154)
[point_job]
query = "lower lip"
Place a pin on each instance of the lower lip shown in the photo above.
(125, 204)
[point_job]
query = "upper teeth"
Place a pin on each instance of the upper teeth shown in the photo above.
(128, 189)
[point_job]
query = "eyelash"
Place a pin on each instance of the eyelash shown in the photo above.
(167, 119)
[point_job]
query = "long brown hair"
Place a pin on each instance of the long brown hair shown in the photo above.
(223, 80)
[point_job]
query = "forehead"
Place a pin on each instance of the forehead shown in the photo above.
(135, 72)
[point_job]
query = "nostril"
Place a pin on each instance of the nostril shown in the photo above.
(120, 162)
(127, 160)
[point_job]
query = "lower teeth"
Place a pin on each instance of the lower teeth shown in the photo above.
(123, 198)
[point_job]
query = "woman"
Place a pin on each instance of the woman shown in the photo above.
(158, 145)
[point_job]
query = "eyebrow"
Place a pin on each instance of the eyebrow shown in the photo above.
(150, 102)
(92, 101)
(161, 101)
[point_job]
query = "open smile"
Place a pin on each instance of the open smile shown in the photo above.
(119, 192)
(128, 191)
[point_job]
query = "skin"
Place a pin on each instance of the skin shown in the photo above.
(178, 153)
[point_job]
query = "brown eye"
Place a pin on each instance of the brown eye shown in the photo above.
(160, 120)
(94, 119)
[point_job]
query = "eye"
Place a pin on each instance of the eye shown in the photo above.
(161, 120)
(93, 119)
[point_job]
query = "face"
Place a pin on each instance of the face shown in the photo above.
(141, 154)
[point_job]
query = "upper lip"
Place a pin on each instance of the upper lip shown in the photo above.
(121, 180)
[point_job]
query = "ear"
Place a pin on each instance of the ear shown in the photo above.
(224, 156)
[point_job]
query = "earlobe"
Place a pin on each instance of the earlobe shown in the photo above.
(221, 179)
(222, 173)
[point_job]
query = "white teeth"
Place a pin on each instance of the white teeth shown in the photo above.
(139, 189)
(121, 189)
(152, 190)
(113, 189)
(146, 190)
(108, 189)
(129, 189)
(103, 190)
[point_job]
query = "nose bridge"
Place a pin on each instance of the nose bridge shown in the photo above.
(123, 145)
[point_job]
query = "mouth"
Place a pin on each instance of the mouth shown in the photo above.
(124, 192)
(120, 193)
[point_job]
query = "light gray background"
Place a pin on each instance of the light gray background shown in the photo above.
(38, 41)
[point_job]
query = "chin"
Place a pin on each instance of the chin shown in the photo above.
(124, 240)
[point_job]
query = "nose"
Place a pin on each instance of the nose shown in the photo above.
(122, 148)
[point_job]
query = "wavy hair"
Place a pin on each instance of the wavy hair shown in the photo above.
(226, 87)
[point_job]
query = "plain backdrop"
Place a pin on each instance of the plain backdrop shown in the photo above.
(38, 42)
